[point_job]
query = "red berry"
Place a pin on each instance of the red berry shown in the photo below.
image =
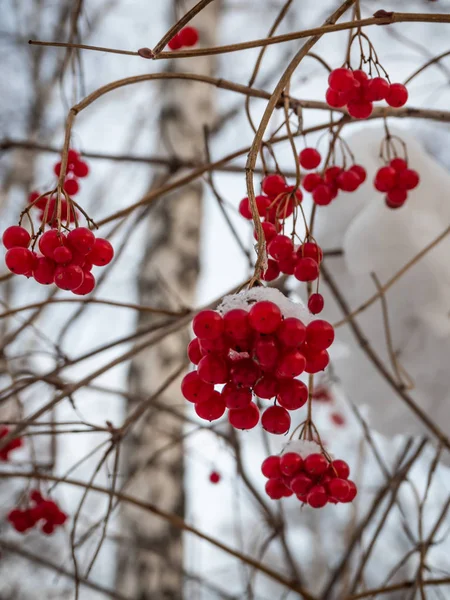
(377, 89)
(317, 497)
(49, 241)
(262, 204)
(272, 271)
(361, 76)
(16, 237)
(315, 303)
(336, 99)
(276, 419)
(87, 286)
(236, 397)
(188, 36)
(71, 186)
(408, 179)
(339, 489)
(340, 469)
(280, 247)
(236, 325)
(341, 80)
(276, 489)
(348, 181)
(266, 387)
(69, 277)
(214, 477)
(319, 334)
(72, 156)
(360, 172)
(270, 467)
(361, 109)
(290, 463)
(62, 255)
(291, 364)
(213, 369)
(219, 345)
(317, 362)
(193, 351)
(244, 208)
(291, 332)
(322, 195)
(311, 181)
(307, 269)
(81, 239)
(399, 164)
(244, 372)
(194, 389)
(396, 197)
(292, 393)
(287, 264)
(315, 464)
(44, 271)
(273, 185)
(270, 231)
(244, 418)
(20, 260)
(208, 325)
(266, 352)
(80, 169)
(265, 317)
(352, 492)
(102, 253)
(309, 158)
(385, 179)
(397, 95)
(212, 409)
(310, 250)
(301, 484)
(175, 42)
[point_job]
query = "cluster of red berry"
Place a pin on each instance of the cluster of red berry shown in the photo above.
(66, 261)
(301, 261)
(357, 91)
(256, 351)
(12, 445)
(42, 510)
(324, 188)
(185, 38)
(314, 479)
(396, 179)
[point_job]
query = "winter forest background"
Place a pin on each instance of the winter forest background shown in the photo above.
(144, 519)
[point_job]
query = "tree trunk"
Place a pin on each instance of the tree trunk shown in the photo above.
(151, 567)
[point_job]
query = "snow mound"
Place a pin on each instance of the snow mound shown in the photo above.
(302, 447)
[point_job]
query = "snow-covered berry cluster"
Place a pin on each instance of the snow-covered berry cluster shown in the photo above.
(255, 346)
(41, 511)
(12, 445)
(358, 91)
(66, 260)
(304, 470)
(186, 38)
(396, 179)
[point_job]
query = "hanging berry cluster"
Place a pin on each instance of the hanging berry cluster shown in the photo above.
(40, 511)
(305, 470)
(65, 259)
(396, 179)
(254, 350)
(186, 38)
(12, 445)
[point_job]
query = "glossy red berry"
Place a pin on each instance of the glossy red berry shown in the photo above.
(62, 255)
(276, 489)
(322, 195)
(317, 496)
(49, 241)
(211, 409)
(292, 393)
(397, 95)
(385, 179)
(341, 80)
(244, 418)
(288, 263)
(291, 364)
(266, 387)
(339, 489)
(361, 109)
(194, 352)
(188, 36)
(272, 271)
(315, 464)
(319, 334)
(213, 369)
(236, 397)
(377, 89)
(262, 204)
(317, 362)
(102, 253)
(214, 477)
(276, 419)
(301, 484)
(175, 42)
(309, 158)
(352, 492)
(44, 271)
(265, 317)
(360, 172)
(397, 197)
(236, 324)
(336, 99)
(311, 181)
(80, 169)
(270, 467)
(20, 260)
(310, 250)
(208, 325)
(244, 372)
(307, 269)
(280, 247)
(290, 463)
(270, 231)
(195, 389)
(81, 239)
(291, 332)
(408, 179)
(266, 352)
(273, 185)
(69, 277)
(399, 164)
(348, 181)
(87, 286)
(16, 237)
(71, 186)
(244, 208)
(316, 303)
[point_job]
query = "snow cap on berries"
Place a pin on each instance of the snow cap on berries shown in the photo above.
(302, 447)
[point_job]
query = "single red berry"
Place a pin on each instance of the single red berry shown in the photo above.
(408, 179)
(195, 389)
(315, 464)
(244, 208)
(193, 351)
(309, 158)
(236, 397)
(397, 95)
(336, 99)
(290, 463)
(292, 393)
(291, 364)
(399, 164)
(72, 156)
(80, 169)
(322, 195)
(331, 174)
(301, 484)
(219, 345)
(316, 303)
(214, 477)
(62, 255)
(270, 231)
(276, 489)
(377, 89)
(396, 197)
(265, 317)
(49, 241)
(319, 334)
(188, 36)
(266, 352)
(236, 325)
(16, 237)
(273, 185)
(361, 109)
(272, 271)
(175, 42)
(385, 179)
(244, 372)
(352, 492)
(87, 286)
(317, 362)
(71, 186)
(69, 277)
(291, 332)
(310, 250)
(360, 172)
(20, 260)
(270, 467)
(244, 418)
(266, 387)
(81, 239)
(213, 369)
(262, 204)
(276, 419)
(361, 76)
(311, 181)
(317, 496)
(348, 181)
(102, 253)
(307, 269)
(211, 409)
(339, 489)
(341, 80)
(208, 325)
(287, 264)
(280, 247)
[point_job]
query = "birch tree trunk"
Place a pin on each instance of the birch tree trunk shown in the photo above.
(152, 567)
